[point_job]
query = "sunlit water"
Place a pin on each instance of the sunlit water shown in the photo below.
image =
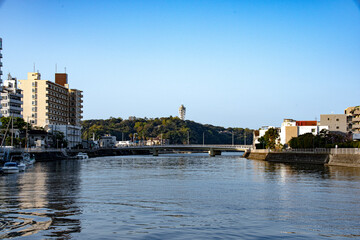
(180, 197)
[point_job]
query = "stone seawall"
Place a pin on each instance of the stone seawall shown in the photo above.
(347, 160)
(290, 157)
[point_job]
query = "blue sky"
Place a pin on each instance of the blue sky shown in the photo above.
(231, 63)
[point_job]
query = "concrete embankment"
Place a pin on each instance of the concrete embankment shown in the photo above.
(348, 160)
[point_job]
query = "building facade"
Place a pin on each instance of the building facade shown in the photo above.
(48, 103)
(0, 71)
(353, 119)
(336, 122)
(1, 61)
(291, 128)
(71, 133)
(11, 98)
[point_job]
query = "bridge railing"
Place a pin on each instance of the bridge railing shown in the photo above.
(313, 150)
(192, 146)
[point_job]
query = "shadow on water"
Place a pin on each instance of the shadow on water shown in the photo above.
(43, 197)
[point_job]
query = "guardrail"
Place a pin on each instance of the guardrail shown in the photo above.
(312, 150)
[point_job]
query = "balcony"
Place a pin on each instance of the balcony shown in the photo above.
(356, 112)
(356, 126)
(1, 73)
(1, 64)
(0, 55)
(15, 101)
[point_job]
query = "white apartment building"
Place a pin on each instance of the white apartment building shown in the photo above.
(0, 70)
(291, 128)
(72, 133)
(11, 98)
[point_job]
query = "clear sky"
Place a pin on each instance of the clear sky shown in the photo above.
(231, 63)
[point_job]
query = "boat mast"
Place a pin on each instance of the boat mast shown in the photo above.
(12, 131)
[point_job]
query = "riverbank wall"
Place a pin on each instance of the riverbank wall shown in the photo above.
(332, 157)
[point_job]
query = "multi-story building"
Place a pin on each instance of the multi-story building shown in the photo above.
(75, 106)
(0, 69)
(291, 128)
(336, 122)
(11, 98)
(48, 103)
(45, 102)
(0, 60)
(353, 119)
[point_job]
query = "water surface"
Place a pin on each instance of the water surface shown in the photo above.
(190, 196)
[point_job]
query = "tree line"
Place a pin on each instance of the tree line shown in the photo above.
(173, 129)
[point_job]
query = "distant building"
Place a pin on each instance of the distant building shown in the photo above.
(336, 122)
(50, 103)
(107, 141)
(260, 133)
(1, 61)
(182, 112)
(0, 70)
(353, 119)
(11, 98)
(291, 128)
(72, 133)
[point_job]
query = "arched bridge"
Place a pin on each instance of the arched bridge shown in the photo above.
(213, 150)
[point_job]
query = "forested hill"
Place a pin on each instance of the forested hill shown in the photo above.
(171, 128)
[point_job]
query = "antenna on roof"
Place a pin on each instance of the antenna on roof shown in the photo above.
(34, 67)
(55, 67)
(65, 69)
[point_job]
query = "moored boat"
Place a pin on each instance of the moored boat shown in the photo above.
(82, 155)
(10, 167)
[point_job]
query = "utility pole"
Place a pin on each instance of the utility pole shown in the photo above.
(244, 138)
(203, 138)
(188, 138)
(122, 138)
(161, 141)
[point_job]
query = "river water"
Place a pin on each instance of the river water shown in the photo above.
(190, 196)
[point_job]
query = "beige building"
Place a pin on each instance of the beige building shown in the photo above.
(336, 122)
(47, 103)
(353, 119)
(44, 102)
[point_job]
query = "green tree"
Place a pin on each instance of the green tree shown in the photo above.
(269, 139)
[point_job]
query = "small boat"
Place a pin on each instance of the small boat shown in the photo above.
(81, 155)
(22, 166)
(10, 167)
(28, 159)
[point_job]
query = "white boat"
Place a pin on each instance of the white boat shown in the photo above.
(22, 166)
(81, 155)
(10, 167)
(28, 159)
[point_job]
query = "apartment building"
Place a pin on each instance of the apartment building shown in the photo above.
(353, 119)
(291, 128)
(45, 102)
(336, 122)
(11, 98)
(48, 103)
(0, 60)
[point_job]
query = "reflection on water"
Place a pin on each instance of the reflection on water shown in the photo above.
(40, 199)
(180, 196)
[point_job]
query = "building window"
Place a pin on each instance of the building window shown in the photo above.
(337, 119)
(313, 130)
(337, 127)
